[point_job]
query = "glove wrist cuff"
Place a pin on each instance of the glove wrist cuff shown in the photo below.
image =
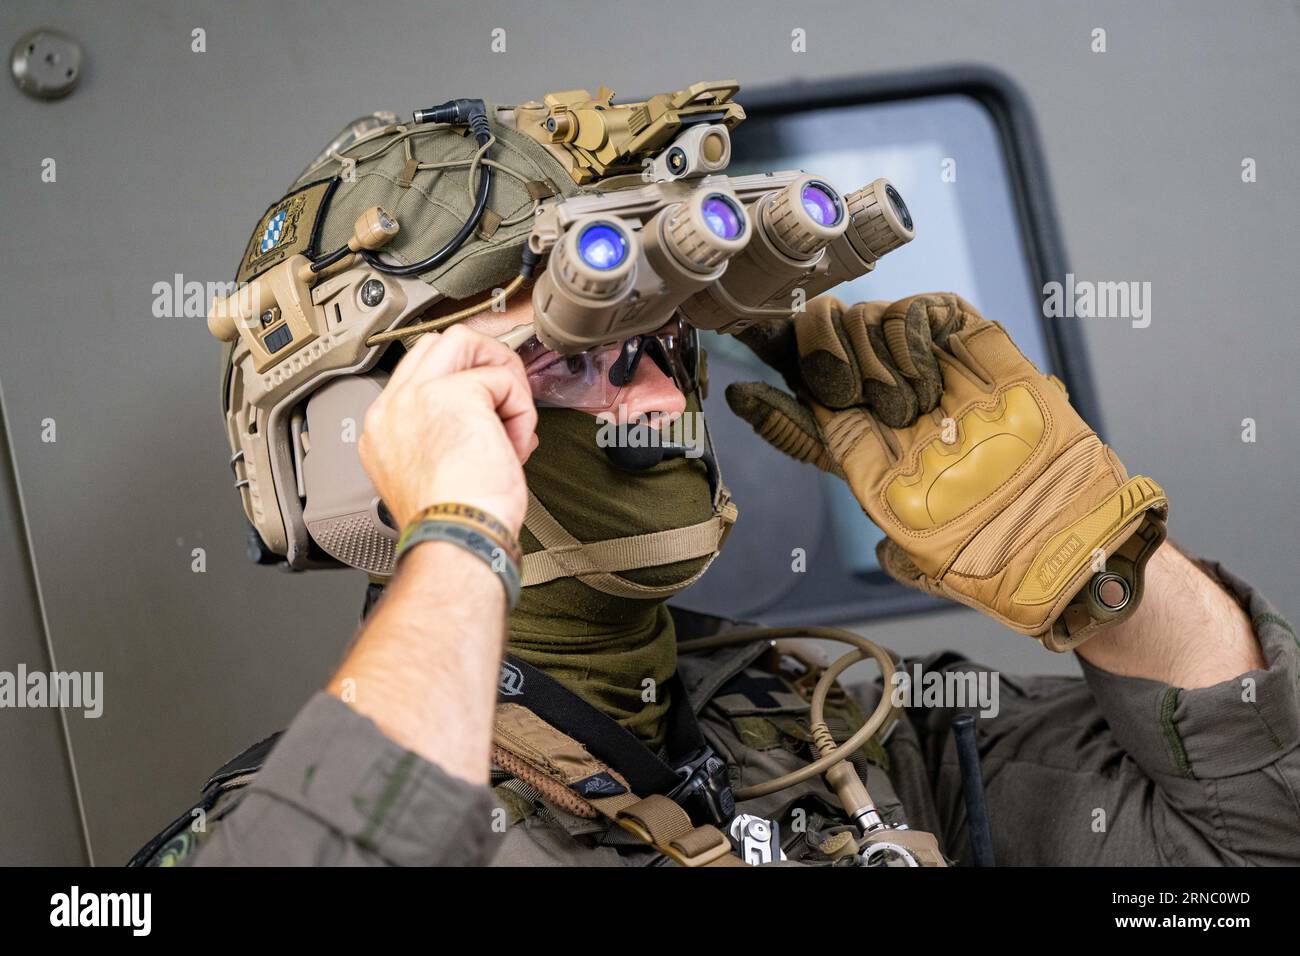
(1113, 593)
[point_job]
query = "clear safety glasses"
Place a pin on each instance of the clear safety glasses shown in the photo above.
(593, 381)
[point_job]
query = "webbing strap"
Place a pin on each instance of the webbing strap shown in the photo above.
(537, 189)
(658, 821)
(606, 740)
(408, 172)
(563, 555)
(563, 770)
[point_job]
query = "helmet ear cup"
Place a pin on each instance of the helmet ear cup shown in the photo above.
(358, 540)
(342, 510)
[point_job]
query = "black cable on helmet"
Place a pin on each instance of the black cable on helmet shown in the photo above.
(327, 260)
(461, 112)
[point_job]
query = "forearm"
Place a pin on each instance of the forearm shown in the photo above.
(389, 765)
(425, 667)
(1188, 631)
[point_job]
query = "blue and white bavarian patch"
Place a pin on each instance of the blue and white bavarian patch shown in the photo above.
(274, 230)
(288, 228)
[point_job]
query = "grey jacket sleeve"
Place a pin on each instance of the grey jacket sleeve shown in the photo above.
(1110, 770)
(337, 792)
(1222, 761)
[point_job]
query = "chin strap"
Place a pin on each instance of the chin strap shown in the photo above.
(596, 563)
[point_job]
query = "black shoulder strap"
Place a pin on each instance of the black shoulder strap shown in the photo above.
(608, 741)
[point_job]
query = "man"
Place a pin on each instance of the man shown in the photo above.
(1178, 746)
(1160, 741)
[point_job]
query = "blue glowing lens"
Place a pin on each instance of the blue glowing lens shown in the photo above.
(602, 247)
(721, 217)
(821, 204)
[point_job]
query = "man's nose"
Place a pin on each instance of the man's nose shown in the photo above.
(651, 393)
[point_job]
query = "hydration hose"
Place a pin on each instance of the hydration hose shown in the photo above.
(832, 760)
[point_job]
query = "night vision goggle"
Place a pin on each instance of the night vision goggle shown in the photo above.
(647, 241)
(720, 251)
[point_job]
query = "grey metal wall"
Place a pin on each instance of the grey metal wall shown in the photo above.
(166, 157)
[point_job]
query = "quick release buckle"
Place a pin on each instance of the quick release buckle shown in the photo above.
(705, 791)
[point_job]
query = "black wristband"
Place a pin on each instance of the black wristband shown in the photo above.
(497, 558)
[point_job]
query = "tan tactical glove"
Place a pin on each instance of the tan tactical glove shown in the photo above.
(991, 489)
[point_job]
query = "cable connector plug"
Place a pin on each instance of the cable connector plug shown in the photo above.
(460, 112)
(528, 262)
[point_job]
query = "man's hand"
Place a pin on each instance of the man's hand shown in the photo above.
(455, 424)
(991, 490)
